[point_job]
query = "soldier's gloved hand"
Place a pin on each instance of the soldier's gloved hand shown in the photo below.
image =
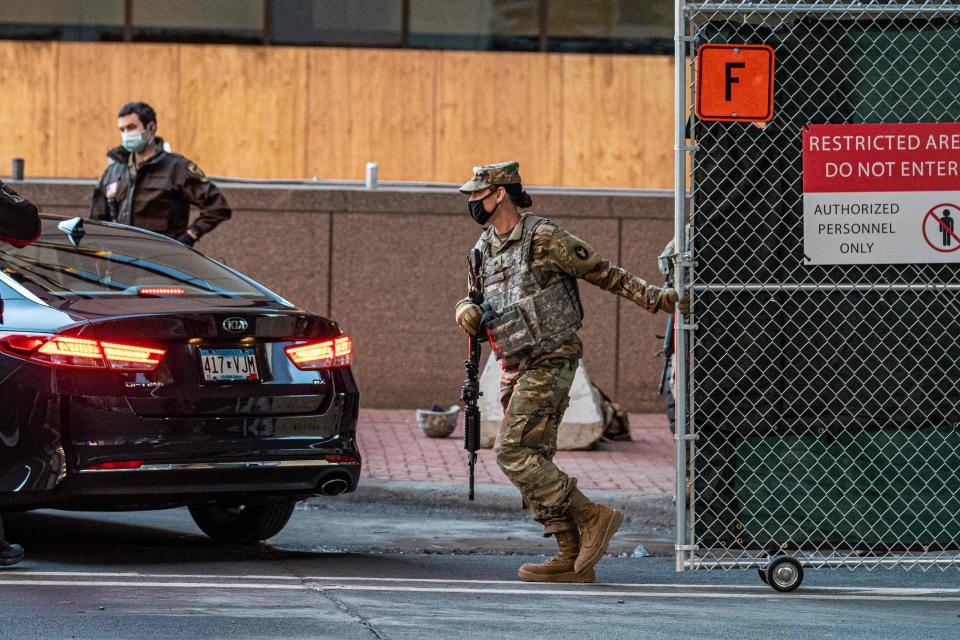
(468, 317)
(671, 301)
(664, 264)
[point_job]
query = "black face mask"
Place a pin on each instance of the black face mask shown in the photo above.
(478, 213)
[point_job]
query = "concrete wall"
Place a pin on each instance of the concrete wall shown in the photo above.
(389, 265)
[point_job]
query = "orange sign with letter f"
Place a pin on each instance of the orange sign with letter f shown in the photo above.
(735, 82)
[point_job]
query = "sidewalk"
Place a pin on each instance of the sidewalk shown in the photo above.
(394, 448)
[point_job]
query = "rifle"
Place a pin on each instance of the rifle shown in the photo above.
(665, 264)
(667, 353)
(470, 395)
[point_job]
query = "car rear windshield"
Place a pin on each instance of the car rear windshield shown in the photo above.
(115, 264)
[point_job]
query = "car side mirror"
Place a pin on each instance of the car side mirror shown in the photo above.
(74, 230)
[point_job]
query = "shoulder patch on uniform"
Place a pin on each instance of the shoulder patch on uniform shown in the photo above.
(195, 170)
(581, 252)
(111, 190)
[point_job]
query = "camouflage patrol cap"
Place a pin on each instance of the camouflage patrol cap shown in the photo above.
(493, 174)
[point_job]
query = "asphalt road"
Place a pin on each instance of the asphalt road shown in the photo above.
(355, 570)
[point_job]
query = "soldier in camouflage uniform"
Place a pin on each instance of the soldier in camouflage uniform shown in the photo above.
(532, 311)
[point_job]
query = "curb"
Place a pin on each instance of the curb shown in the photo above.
(489, 524)
(496, 500)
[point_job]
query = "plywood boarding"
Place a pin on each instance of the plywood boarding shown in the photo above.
(618, 121)
(275, 112)
(28, 119)
(93, 82)
(500, 106)
(329, 115)
(243, 109)
(371, 105)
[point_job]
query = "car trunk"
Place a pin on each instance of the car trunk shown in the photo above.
(223, 362)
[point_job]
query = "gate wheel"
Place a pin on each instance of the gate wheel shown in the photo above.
(784, 574)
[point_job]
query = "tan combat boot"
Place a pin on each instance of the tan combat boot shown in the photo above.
(597, 525)
(559, 568)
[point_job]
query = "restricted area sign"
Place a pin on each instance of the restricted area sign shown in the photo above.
(881, 193)
(735, 82)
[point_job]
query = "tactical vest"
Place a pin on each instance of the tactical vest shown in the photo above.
(529, 318)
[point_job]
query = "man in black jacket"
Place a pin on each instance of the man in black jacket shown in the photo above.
(149, 187)
(19, 226)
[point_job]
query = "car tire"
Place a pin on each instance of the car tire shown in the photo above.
(243, 523)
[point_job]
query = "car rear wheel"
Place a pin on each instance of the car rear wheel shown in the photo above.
(242, 523)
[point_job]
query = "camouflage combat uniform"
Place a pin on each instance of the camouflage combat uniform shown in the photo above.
(534, 389)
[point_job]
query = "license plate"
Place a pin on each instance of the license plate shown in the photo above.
(229, 365)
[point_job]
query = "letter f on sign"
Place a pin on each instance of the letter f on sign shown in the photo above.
(730, 79)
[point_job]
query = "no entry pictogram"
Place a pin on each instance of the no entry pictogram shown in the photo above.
(940, 227)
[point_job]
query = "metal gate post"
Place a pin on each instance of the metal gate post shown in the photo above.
(679, 275)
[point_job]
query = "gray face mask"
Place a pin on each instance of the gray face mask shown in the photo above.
(135, 141)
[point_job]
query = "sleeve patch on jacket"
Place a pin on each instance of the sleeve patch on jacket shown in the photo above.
(195, 170)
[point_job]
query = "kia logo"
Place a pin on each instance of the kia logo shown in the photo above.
(236, 325)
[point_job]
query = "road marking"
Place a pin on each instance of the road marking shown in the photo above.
(585, 592)
(880, 591)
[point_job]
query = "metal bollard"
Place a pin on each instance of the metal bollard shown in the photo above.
(16, 169)
(372, 171)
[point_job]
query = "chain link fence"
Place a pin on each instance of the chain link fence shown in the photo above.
(821, 403)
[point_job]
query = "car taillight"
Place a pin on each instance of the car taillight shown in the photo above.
(322, 355)
(71, 352)
(81, 353)
(130, 357)
(21, 345)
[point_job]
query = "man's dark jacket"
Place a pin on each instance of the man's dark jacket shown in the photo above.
(163, 189)
(19, 220)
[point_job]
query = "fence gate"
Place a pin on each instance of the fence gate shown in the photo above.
(818, 384)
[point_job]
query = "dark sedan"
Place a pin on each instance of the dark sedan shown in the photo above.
(135, 373)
